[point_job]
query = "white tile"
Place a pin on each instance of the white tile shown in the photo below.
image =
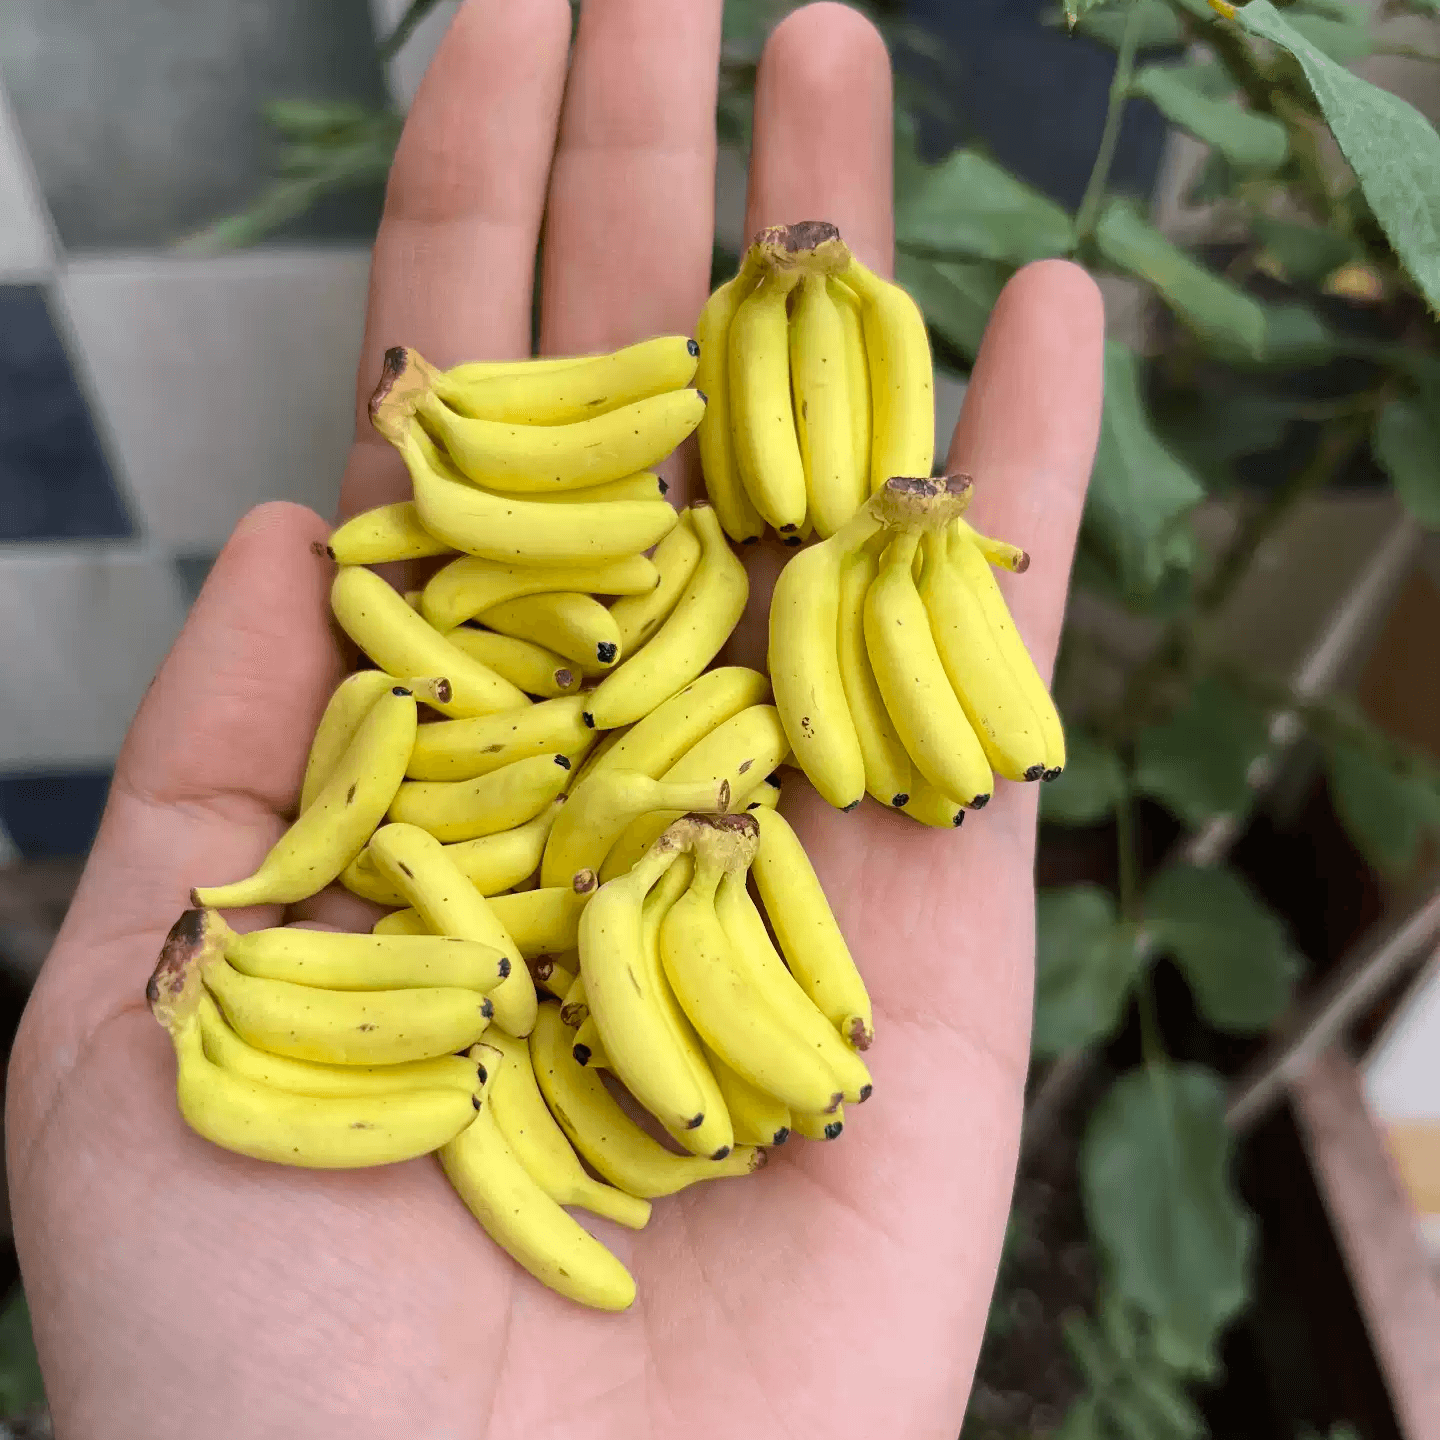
(405, 72)
(223, 381)
(82, 630)
(26, 251)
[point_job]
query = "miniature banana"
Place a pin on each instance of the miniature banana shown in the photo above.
(738, 515)
(526, 665)
(918, 697)
(539, 1144)
(450, 905)
(333, 831)
(486, 805)
(589, 1048)
(552, 973)
(384, 534)
(613, 1145)
(999, 553)
(762, 417)
(637, 617)
(930, 807)
(902, 379)
(758, 1118)
(647, 485)
(492, 863)
(401, 643)
(467, 749)
(820, 1127)
(352, 701)
(857, 375)
(460, 590)
(576, 626)
(546, 920)
(527, 1224)
(765, 795)
(835, 487)
(981, 671)
(578, 390)
(687, 642)
(813, 946)
(401, 922)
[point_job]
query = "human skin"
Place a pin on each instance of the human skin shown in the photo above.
(179, 1290)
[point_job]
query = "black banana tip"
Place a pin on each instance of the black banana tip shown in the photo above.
(1054, 774)
(959, 819)
(482, 1073)
(664, 485)
(1035, 772)
(853, 805)
(721, 1153)
(696, 1122)
(781, 1135)
(400, 690)
(581, 1053)
(588, 718)
(793, 540)
(693, 346)
(504, 966)
(606, 651)
(900, 801)
(866, 1091)
(704, 398)
(563, 761)
(788, 529)
(979, 802)
(487, 1008)
(833, 1129)
(475, 1101)
(751, 540)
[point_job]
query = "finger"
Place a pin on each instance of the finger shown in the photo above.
(454, 258)
(1028, 430)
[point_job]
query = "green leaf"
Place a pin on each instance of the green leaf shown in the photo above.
(1139, 491)
(21, 1387)
(1342, 36)
(1219, 312)
(1085, 964)
(1196, 762)
(1082, 1421)
(1154, 1175)
(957, 297)
(1392, 148)
(1090, 786)
(1407, 445)
(1306, 253)
(1233, 950)
(1160, 27)
(1295, 335)
(315, 119)
(1074, 9)
(1386, 811)
(1248, 141)
(969, 207)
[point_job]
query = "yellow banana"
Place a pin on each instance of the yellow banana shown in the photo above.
(460, 590)
(333, 831)
(492, 863)
(589, 1048)
(930, 807)
(762, 417)
(547, 920)
(765, 795)
(857, 375)
(813, 946)
(820, 1127)
(687, 642)
(979, 665)
(578, 390)
(450, 905)
(465, 809)
(576, 626)
(637, 617)
(647, 485)
(918, 698)
(527, 666)
(401, 643)
(757, 1118)
(539, 1144)
(739, 517)
(401, 922)
(386, 533)
(466, 749)
(527, 1224)
(834, 486)
(348, 706)
(999, 553)
(555, 974)
(805, 664)
(902, 378)
(613, 1145)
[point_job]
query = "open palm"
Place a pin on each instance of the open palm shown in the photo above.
(180, 1290)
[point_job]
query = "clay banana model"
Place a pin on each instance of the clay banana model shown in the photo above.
(576, 626)
(383, 534)
(820, 1127)
(486, 805)
(645, 486)
(460, 590)
(639, 615)
(554, 974)
(467, 749)
(526, 665)
(857, 375)
(757, 1118)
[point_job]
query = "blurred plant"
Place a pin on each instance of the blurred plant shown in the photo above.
(1327, 190)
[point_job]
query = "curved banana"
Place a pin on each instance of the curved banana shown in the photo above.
(401, 922)
(612, 1144)
(527, 666)
(383, 534)
(601, 807)
(765, 795)
(401, 643)
(466, 809)
(524, 532)
(467, 749)
(578, 390)
(554, 974)
(758, 1118)
(805, 664)
(813, 946)
(589, 1048)
(835, 488)
(687, 642)
(460, 590)
(527, 1224)
(539, 1144)
(352, 701)
(333, 831)
(888, 774)
(923, 708)
(930, 807)
(652, 745)
(637, 617)
(492, 863)
(450, 905)
(647, 485)
(999, 553)
(576, 626)
(979, 667)
(857, 375)
(820, 1127)
(547, 920)
(969, 554)
(902, 378)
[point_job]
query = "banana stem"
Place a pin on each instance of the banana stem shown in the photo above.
(175, 984)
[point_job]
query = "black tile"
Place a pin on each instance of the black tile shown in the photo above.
(54, 482)
(192, 570)
(53, 813)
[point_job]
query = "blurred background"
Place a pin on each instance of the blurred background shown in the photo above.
(1239, 870)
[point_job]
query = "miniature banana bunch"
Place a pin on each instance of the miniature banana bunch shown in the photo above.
(917, 691)
(820, 386)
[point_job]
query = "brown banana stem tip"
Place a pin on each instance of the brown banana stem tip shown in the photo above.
(584, 881)
(404, 378)
(174, 985)
(730, 841)
(811, 246)
(857, 1034)
(918, 503)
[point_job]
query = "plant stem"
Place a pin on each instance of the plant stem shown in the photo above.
(394, 42)
(1127, 858)
(1152, 1047)
(1086, 216)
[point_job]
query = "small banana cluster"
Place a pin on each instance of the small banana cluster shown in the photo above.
(820, 386)
(897, 669)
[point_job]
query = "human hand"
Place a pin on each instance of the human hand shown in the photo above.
(178, 1289)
